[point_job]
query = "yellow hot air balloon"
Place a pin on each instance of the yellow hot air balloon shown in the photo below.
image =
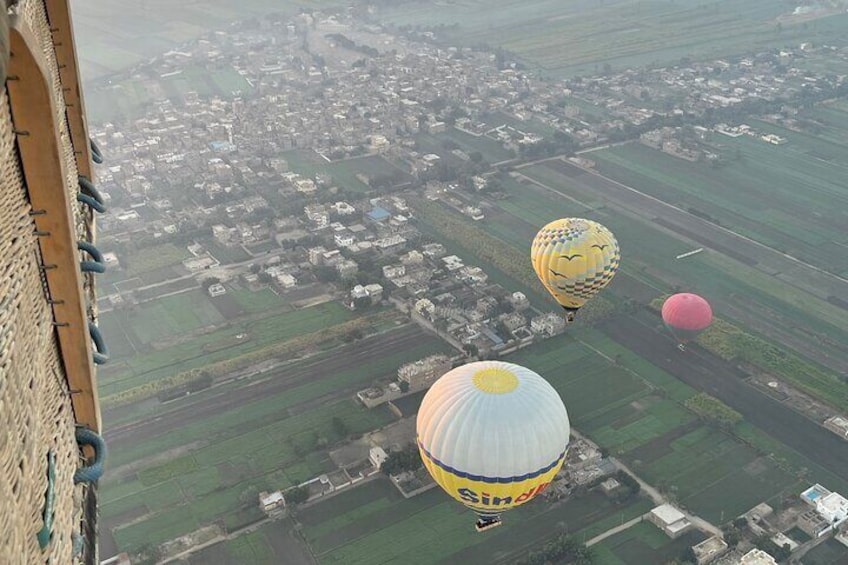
(574, 258)
(493, 435)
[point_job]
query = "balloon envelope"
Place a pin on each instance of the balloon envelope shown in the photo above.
(574, 258)
(686, 315)
(492, 434)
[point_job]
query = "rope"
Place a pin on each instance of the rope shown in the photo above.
(45, 533)
(78, 543)
(88, 189)
(91, 203)
(96, 155)
(101, 352)
(96, 266)
(90, 473)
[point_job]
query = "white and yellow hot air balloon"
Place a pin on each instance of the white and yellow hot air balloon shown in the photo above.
(574, 259)
(493, 435)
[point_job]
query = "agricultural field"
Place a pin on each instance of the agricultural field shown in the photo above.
(363, 525)
(491, 150)
(198, 349)
(643, 543)
(220, 458)
(309, 163)
(769, 305)
(114, 35)
(127, 98)
(790, 197)
(620, 34)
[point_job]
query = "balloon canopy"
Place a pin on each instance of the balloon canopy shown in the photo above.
(686, 315)
(574, 259)
(492, 435)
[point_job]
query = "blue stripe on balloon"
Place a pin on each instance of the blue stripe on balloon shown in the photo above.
(483, 479)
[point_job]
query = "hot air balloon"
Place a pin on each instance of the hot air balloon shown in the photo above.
(493, 435)
(574, 258)
(686, 315)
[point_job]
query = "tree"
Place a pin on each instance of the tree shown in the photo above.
(297, 495)
(407, 459)
(404, 386)
(326, 273)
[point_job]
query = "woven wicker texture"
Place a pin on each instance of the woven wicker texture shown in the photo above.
(35, 409)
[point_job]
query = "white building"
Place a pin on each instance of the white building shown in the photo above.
(757, 557)
(550, 324)
(111, 260)
(670, 520)
(286, 280)
(833, 508)
(216, 290)
(377, 456)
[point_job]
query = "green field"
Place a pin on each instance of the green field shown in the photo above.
(643, 543)
(126, 99)
(114, 35)
(737, 291)
(203, 349)
(563, 39)
(790, 197)
(309, 163)
(273, 445)
(362, 527)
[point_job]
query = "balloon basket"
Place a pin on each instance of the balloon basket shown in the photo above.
(484, 524)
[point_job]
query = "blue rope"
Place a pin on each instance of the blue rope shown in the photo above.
(96, 266)
(45, 533)
(96, 155)
(88, 189)
(91, 203)
(101, 352)
(78, 543)
(90, 473)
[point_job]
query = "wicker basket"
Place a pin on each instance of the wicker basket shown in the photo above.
(36, 415)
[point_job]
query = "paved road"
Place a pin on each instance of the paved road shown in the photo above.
(215, 401)
(785, 267)
(708, 373)
(613, 531)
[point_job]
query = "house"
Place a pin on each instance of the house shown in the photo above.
(709, 549)
(519, 301)
(216, 289)
(549, 324)
(670, 520)
(377, 456)
(757, 557)
(273, 503)
(424, 372)
(378, 214)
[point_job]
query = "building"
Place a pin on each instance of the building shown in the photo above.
(813, 524)
(272, 504)
(216, 289)
(378, 214)
(670, 520)
(709, 549)
(831, 507)
(519, 301)
(549, 324)
(424, 372)
(610, 485)
(377, 456)
(837, 425)
(757, 557)
(48, 360)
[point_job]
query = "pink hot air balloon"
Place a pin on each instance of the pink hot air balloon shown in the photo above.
(686, 315)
